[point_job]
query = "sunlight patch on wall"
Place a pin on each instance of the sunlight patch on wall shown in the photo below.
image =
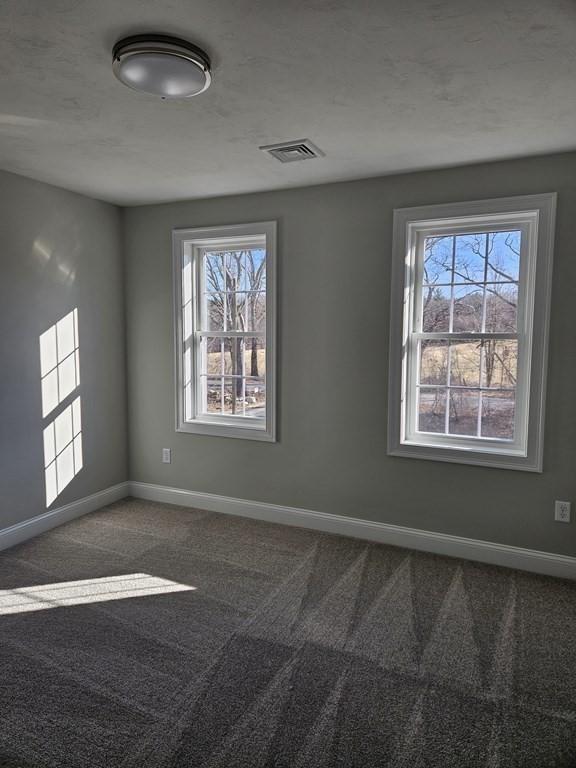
(59, 362)
(60, 377)
(63, 450)
(67, 593)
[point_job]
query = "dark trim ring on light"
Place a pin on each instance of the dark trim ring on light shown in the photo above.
(154, 52)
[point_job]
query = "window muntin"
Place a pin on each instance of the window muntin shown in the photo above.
(469, 330)
(225, 330)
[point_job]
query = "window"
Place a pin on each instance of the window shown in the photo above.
(225, 330)
(470, 305)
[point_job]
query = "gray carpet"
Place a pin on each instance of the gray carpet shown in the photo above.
(292, 649)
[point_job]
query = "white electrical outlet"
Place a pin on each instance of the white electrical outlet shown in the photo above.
(562, 511)
(166, 455)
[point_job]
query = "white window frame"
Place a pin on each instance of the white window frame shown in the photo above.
(188, 244)
(534, 215)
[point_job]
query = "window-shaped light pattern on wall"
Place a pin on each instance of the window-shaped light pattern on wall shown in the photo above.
(60, 372)
(468, 345)
(63, 450)
(59, 362)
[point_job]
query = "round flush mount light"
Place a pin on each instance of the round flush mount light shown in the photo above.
(163, 66)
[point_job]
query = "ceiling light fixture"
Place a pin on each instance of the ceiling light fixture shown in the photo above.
(164, 66)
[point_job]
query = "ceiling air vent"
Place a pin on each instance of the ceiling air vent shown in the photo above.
(289, 152)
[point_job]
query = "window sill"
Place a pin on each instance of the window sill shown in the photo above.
(500, 460)
(219, 429)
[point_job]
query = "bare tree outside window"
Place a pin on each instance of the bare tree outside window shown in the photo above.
(469, 286)
(235, 301)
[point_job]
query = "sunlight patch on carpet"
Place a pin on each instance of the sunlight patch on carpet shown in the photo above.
(66, 593)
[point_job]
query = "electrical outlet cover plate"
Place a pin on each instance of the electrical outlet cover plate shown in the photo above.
(562, 511)
(166, 455)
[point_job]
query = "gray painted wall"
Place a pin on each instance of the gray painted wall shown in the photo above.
(58, 250)
(334, 272)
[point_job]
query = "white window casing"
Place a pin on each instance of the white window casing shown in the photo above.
(219, 311)
(423, 420)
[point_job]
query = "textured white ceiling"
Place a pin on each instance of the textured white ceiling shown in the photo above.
(380, 85)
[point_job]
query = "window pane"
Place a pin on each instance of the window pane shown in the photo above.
(468, 307)
(501, 308)
(214, 272)
(234, 356)
(214, 312)
(463, 417)
(256, 269)
(255, 356)
(211, 355)
(438, 260)
(498, 414)
(469, 258)
(500, 362)
(233, 397)
(434, 362)
(504, 256)
(435, 309)
(465, 363)
(235, 312)
(235, 271)
(256, 311)
(213, 394)
(255, 393)
(432, 410)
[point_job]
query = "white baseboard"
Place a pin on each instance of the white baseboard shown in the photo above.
(412, 538)
(27, 529)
